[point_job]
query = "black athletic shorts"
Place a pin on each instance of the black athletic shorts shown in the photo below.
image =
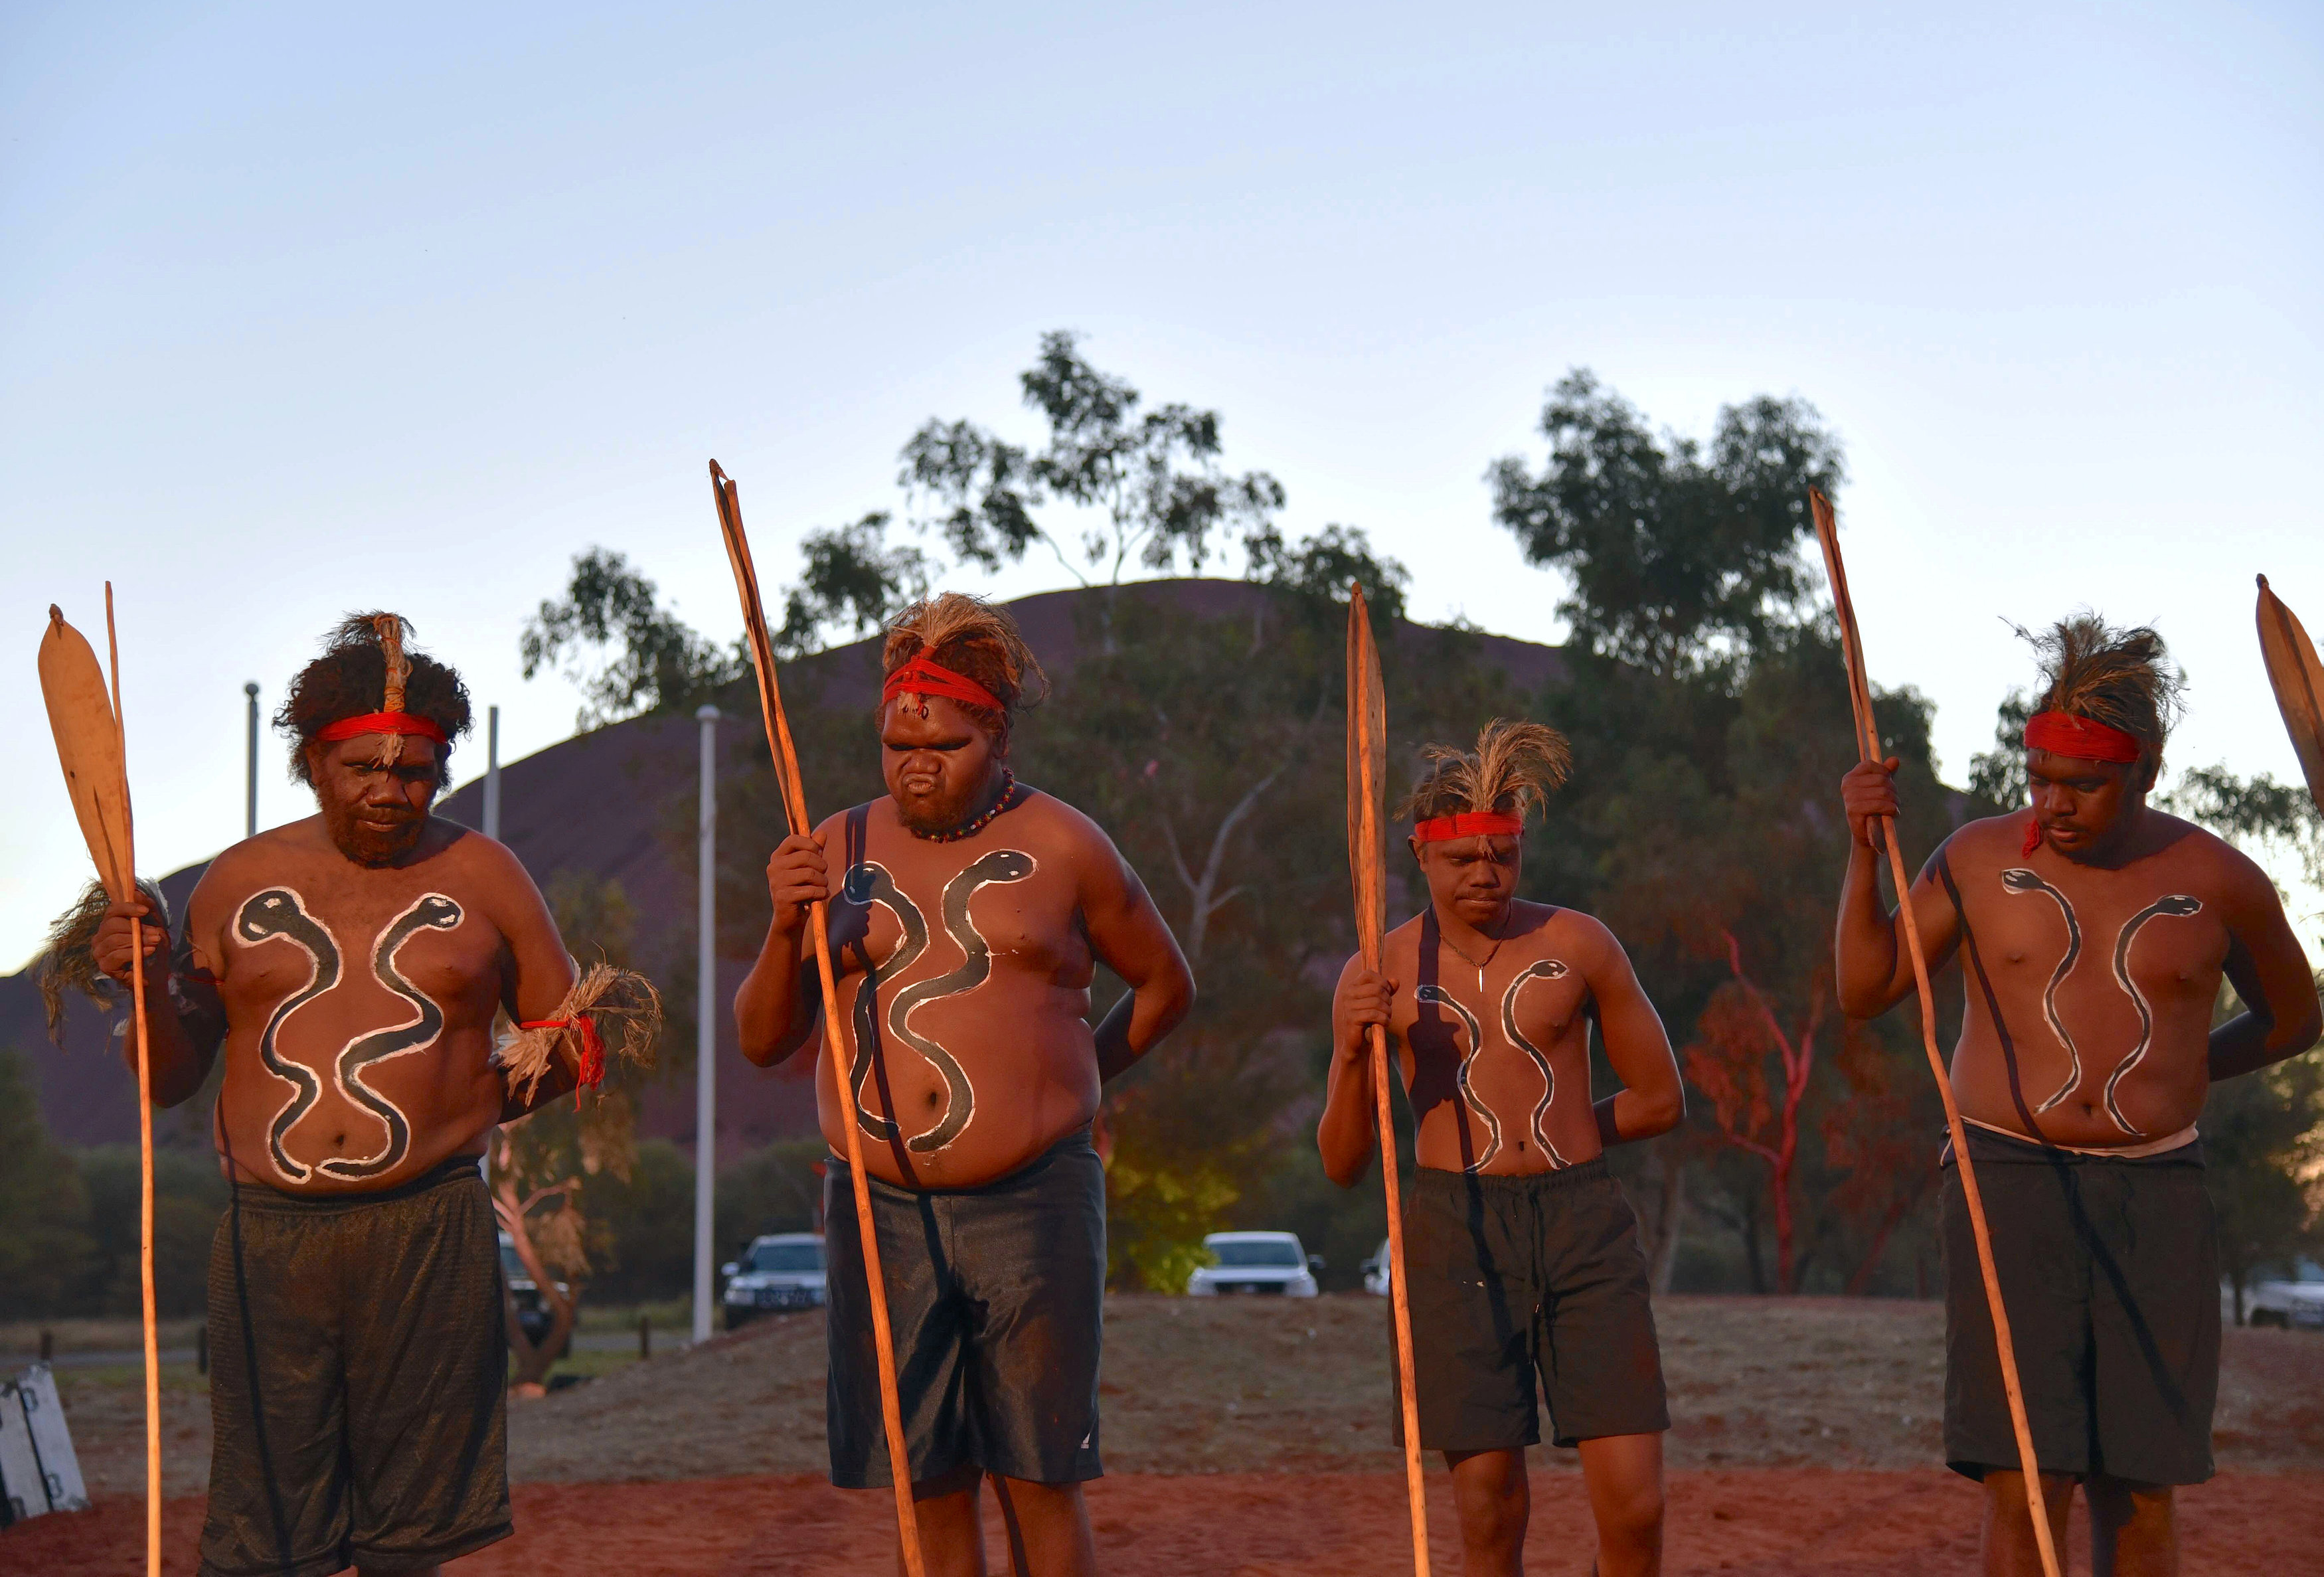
(2110, 1271)
(1515, 1276)
(996, 1303)
(358, 1377)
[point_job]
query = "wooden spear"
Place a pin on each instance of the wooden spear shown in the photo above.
(1868, 739)
(1367, 785)
(2297, 680)
(93, 750)
(787, 774)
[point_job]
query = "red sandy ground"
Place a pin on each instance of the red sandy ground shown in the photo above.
(1750, 1522)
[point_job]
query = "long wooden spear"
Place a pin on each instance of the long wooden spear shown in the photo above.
(1367, 864)
(2297, 680)
(787, 774)
(93, 750)
(1867, 740)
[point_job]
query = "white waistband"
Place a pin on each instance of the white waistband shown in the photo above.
(2184, 1137)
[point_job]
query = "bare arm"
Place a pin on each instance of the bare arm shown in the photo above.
(1874, 972)
(1347, 1133)
(1129, 934)
(537, 973)
(1652, 1099)
(776, 1006)
(185, 1019)
(2271, 974)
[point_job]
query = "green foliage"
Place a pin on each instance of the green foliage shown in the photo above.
(1997, 776)
(1675, 554)
(854, 582)
(650, 659)
(47, 1255)
(2279, 816)
(648, 1219)
(189, 1193)
(1321, 567)
(1150, 483)
(2262, 1134)
(772, 1189)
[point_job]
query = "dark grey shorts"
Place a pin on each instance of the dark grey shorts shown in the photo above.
(1511, 1277)
(996, 1301)
(2110, 1271)
(358, 1378)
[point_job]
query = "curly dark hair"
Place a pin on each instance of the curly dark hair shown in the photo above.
(350, 680)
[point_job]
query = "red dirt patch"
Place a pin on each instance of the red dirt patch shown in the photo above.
(1748, 1522)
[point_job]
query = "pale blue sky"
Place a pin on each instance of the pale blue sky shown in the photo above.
(302, 312)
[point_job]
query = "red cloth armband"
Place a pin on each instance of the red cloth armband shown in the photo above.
(921, 676)
(2062, 733)
(1469, 824)
(382, 723)
(592, 1073)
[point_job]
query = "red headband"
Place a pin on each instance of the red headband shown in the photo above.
(923, 677)
(383, 723)
(2062, 733)
(1469, 824)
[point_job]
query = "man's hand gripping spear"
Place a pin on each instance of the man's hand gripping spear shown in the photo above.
(787, 773)
(1868, 739)
(92, 749)
(1367, 864)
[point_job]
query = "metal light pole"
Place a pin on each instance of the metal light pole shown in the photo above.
(493, 772)
(705, 1023)
(250, 800)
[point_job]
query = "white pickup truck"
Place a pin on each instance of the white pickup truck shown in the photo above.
(2294, 1305)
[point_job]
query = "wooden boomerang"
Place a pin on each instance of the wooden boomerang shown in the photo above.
(88, 746)
(2299, 683)
(787, 775)
(1867, 741)
(1367, 864)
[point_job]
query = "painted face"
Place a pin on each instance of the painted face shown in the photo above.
(2081, 804)
(375, 812)
(940, 764)
(1473, 878)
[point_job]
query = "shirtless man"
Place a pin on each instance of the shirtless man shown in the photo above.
(968, 913)
(2095, 930)
(350, 965)
(1522, 1252)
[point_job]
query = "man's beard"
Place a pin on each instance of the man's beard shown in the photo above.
(369, 845)
(941, 813)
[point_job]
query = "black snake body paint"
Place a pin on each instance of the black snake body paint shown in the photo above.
(430, 911)
(869, 882)
(1544, 969)
(2177, 906)
(1469, 1096)
(277, 913)
(2018, 880)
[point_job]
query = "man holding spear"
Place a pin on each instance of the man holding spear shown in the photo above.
(2095, 931)
(349, 967)
(1522, 1254)
(967, 914)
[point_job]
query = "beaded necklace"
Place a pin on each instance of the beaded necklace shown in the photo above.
(1009, 800)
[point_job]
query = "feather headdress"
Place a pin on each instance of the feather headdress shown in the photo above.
(972, 637)
(2123, 679)
(1512, 770)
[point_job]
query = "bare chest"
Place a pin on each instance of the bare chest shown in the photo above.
(994, 911)
(2081, 936)
(1526, 1007)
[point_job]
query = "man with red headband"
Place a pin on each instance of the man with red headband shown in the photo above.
(349, 967)
(1521, 1253)
(968, 912)
(2094, 931)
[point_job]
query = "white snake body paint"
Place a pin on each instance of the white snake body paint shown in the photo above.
(2019, 880)
(430, 911)
(1469, 1096)
(277, 913)
(869, 882)
(280, 914)
(1544, 969)
(2178, 906)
